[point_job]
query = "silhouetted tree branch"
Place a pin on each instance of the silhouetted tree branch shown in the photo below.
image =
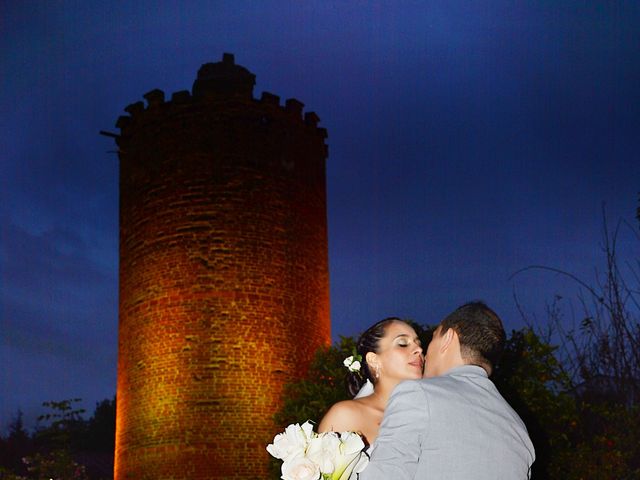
(602, 354)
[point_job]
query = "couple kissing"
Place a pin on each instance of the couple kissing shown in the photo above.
(436, 415)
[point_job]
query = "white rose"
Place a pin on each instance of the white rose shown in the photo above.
(355, 366)
(300, 468)
(292, 442)
(323, 450)
(348, 361)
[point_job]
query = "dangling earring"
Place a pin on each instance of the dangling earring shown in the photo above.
(377, 372)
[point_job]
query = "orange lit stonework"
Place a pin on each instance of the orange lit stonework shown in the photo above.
(223, 274)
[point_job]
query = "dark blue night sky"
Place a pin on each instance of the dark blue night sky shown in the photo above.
(467, 140)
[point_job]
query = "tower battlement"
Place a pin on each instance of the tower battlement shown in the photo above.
(220, 82)
(156, 100)
(139, 113)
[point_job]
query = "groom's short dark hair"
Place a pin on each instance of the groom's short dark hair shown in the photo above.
(482, 336)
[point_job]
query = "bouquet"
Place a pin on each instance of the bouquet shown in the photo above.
(307, 455)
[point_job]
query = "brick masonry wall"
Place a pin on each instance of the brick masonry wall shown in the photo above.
(223, 279)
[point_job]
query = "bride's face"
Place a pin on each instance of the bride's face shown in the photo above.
(399, 354)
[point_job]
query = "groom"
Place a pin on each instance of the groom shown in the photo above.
(453, 423)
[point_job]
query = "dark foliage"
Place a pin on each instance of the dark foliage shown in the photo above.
(63, 446)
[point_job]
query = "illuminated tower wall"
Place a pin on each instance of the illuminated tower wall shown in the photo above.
(224, 289)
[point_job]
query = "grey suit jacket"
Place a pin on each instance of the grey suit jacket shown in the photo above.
(456, 426)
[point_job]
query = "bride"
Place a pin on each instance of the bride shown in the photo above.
(388, 353)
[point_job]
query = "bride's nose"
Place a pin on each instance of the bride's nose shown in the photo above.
(417, 349)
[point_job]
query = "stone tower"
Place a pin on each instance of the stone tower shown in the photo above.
(224, 289)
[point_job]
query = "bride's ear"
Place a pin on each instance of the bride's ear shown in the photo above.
(372, 360)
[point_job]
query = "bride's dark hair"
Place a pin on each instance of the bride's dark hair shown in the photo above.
(369, 341)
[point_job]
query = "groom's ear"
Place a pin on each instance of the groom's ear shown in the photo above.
(448, 338)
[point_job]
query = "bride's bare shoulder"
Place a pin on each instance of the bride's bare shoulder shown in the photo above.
(342, 416)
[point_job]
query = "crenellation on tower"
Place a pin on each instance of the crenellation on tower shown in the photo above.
(311, 118)
(123, 122)
(181, 97)
(154, 98)
(134, 108)
(261, 131)
(270, 99)
(294, 107)
(263, 112)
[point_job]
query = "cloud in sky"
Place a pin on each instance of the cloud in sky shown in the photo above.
(58, 311)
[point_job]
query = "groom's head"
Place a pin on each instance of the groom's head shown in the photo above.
(472, 335)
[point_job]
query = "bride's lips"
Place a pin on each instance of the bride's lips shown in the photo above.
(417, 364)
